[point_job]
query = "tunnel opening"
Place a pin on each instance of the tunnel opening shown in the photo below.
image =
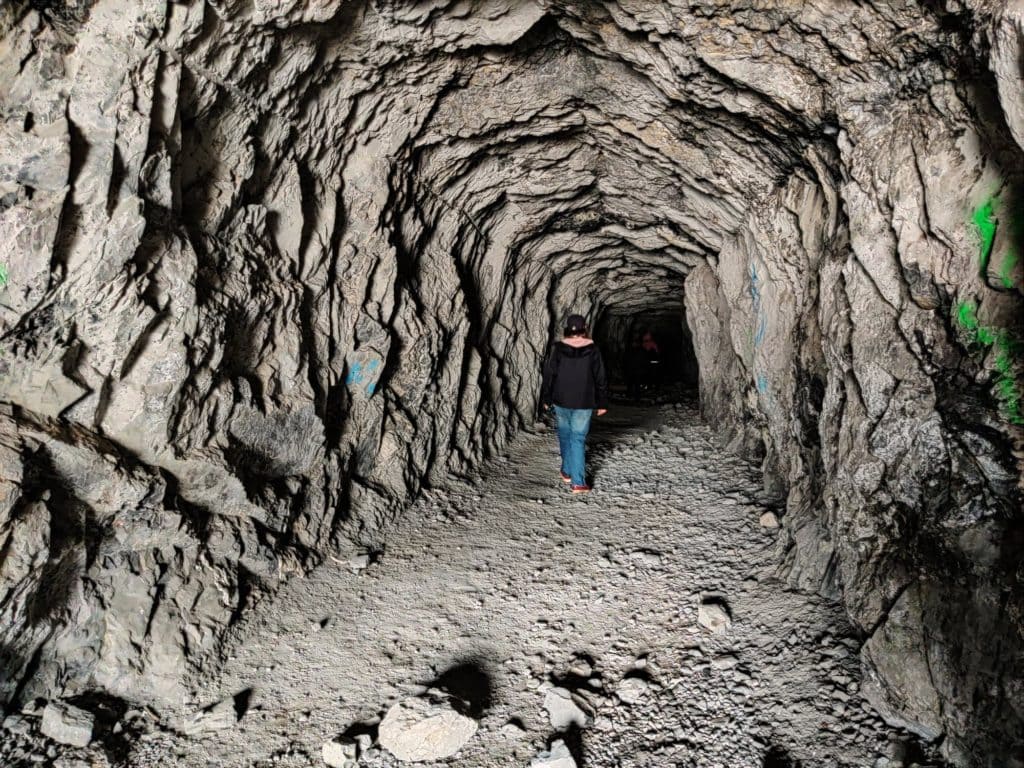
(649, 355)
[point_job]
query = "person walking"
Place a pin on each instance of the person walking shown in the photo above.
(575, 385)
(652, 364)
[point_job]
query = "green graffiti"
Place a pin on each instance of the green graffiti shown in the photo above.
(965, 316)
(3, 275)
(1008, 391)
(986, 224)
(1009, 262)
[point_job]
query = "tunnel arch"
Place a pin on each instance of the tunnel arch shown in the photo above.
(338, 237)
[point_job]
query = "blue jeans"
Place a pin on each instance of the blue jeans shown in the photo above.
(573, 425)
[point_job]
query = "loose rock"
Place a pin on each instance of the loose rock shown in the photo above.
(424, 728)
(714, 616)
(339, 753)
(218, 717)
(631, 690)
(67, 724)
(563, 711)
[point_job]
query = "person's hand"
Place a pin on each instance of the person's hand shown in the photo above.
(545, 406)
(602, 411)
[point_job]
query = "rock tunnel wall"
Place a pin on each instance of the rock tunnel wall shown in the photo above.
(270, 266)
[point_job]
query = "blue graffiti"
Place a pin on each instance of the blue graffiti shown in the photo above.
(355, 374)
(755, 297)
(358, 373)
(762, 383)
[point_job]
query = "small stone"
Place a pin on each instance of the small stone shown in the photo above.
(563, 711)
(581, 668)
(713, 616)
(425, 728)
(67, 724)
(17, 724)
(558, 756)
(631, 690)
(359, 562)
(339, 753)
(769, 520)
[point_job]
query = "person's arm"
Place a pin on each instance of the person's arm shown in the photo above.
(600, 383)
(548, 380)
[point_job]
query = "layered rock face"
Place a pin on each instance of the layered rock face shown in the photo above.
(270, 266)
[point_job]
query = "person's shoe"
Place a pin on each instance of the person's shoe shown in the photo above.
(581, 488)
(565, 477)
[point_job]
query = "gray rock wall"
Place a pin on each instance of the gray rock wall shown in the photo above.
(270, 266)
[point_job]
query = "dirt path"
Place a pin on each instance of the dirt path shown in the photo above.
(512, 584)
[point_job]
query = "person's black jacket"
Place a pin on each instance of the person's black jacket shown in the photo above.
(574, 377)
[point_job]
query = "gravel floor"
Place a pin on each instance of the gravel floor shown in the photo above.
(505, 586)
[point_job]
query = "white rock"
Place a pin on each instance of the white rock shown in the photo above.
(630, 690)
(219, 717)
(67, 724)
(425, 728)
(558, 756)
(769, 520)
(713, 617)
(358, 562)
(563, 711)
(339, 754)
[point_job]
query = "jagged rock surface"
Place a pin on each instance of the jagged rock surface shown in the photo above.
(271, 266)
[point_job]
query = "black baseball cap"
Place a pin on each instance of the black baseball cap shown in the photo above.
(576, 323)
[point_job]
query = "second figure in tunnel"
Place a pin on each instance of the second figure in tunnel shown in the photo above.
(575, 384)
